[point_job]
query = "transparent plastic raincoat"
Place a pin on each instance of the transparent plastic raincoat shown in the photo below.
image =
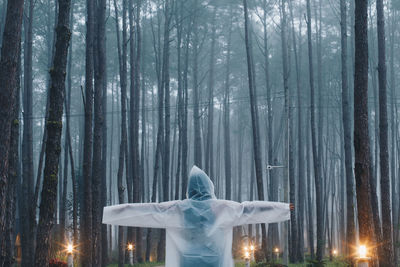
(199, 228)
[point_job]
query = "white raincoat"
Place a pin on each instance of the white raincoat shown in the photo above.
(198, 229)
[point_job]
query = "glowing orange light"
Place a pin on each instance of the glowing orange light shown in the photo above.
(251, 247)
(276, 250)
(70, 248)
(246, 248)
(130, 247)
(335, 252)
(247, 254)
(362, 251)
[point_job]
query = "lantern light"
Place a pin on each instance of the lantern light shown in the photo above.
(247, 255)
(252, 248)
(70, 248)
(130, 247)
(335, 252)
(362, 251)
(276, 250)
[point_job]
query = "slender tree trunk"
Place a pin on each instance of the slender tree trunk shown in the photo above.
(54, 128)
(196, 113)
(227, 134)
(122, 56)
(350, 226)
(7, 259)
(87, 218)
(316, 161)
(386, 258)
(300, 155)
(29, 209)
(10, 50)
(209, 157)
(361, 135)
(254, 117)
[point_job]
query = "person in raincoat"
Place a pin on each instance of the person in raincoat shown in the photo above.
(199, 228)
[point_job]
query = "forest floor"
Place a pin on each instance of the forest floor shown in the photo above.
(238, 264)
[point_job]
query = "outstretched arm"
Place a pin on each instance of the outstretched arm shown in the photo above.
(253, 212)
(154, 215)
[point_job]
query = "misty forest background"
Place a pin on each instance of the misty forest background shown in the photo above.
(113, 101)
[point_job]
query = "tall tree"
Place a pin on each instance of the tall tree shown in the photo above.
(100, 79)
(209, 157)
(361, 135)
(348, 159)
(316, 161)
(386, 259)
(86, 257)
(29, 207)
(10, 49)
(122, 59)
(196, 112)
(7, 246)
(227, 134)
(254, 115)
(54, 128)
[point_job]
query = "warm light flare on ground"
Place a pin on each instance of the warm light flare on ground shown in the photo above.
(70, 248)
(362, 251)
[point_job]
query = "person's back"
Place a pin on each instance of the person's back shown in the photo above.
(199, 228)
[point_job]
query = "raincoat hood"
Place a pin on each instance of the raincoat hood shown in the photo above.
(200, 186)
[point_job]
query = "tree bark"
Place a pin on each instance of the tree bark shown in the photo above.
(54, 128)
(316, 161)
(386, 259)
(254, 117)
(29, 207)
(122, 59)
(10, 50)
(346, 121)
(87, 218)
(361, 135)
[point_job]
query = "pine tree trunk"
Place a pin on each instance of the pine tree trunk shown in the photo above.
(122, 59)
(54, 128)
(227, 134)
(254, 117)
(29, 209)
(7, 259)
(350, 227)
(316, 161)
(361, 135)
(386, 258)
(10, 50)
(86, 233)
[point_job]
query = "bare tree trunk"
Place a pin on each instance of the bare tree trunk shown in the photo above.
(97, 167)
(122, 56)
(54, 128)
(316, 161)
(10, 49)
(209, 157)
(254, 117)
(87, 218)
(361, 135)
(29, 208)
(386, 258)
(196, 114)
(227, 134)
(7, 259)
(300, 151)
(350, 227)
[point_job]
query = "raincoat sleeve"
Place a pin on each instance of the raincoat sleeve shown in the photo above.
(151, 215)
(253, 212)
